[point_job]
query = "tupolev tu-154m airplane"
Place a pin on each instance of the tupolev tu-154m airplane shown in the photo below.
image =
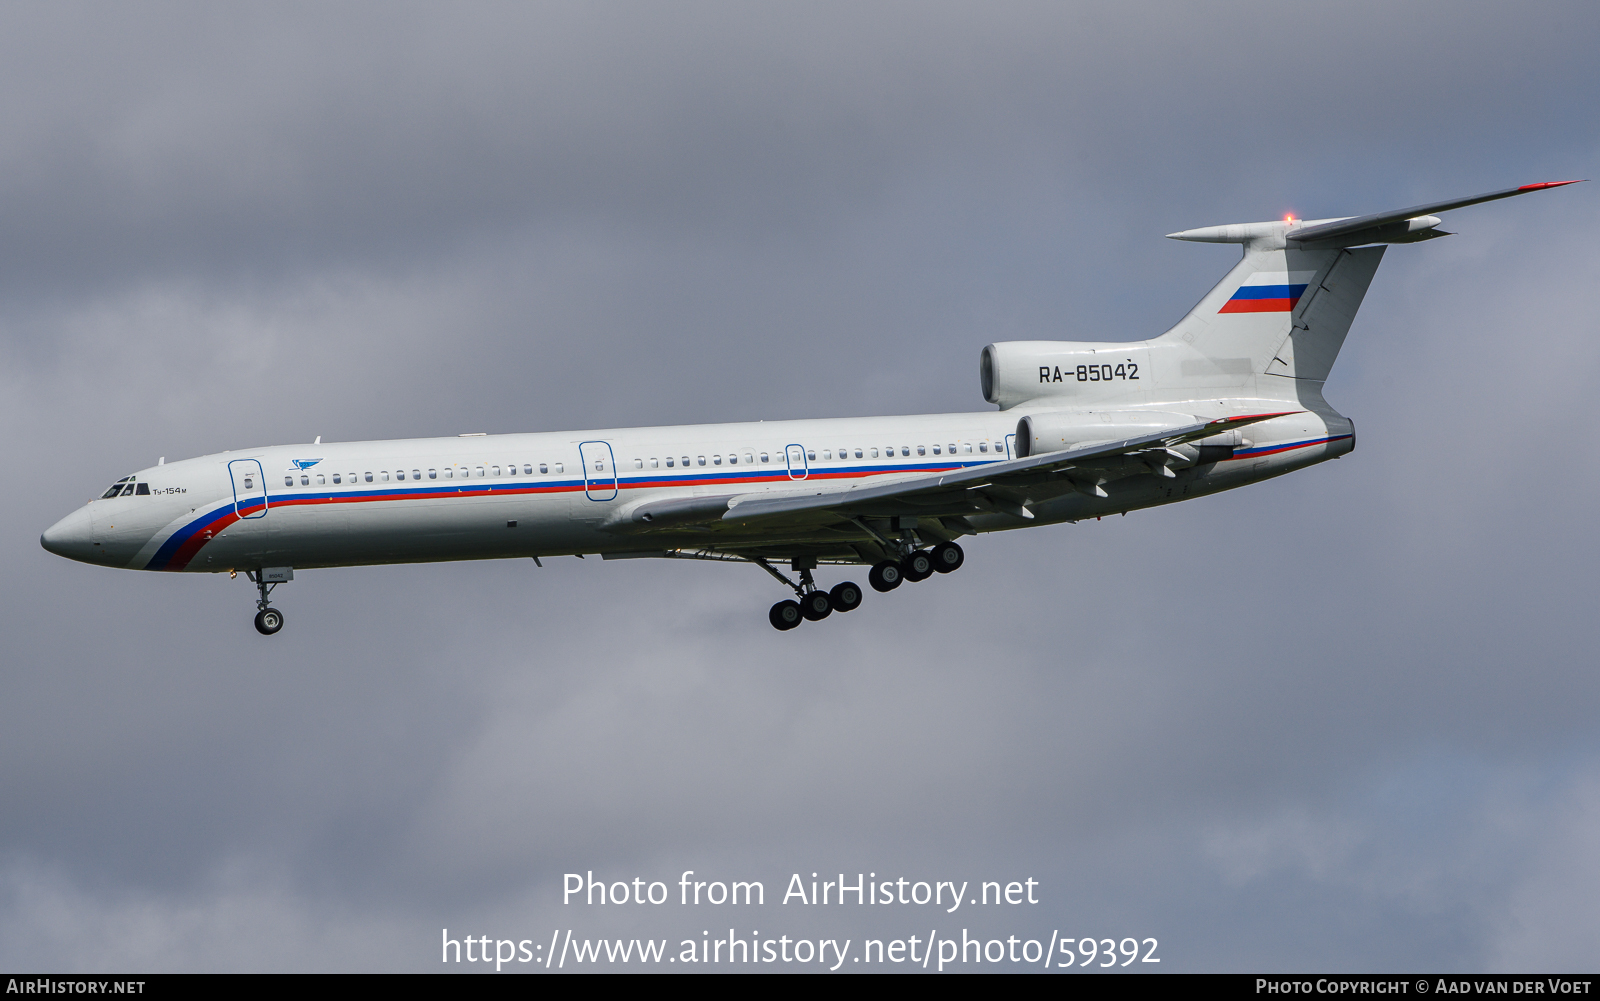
(1230, 395)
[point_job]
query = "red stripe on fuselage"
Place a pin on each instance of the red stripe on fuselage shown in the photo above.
(202, 535)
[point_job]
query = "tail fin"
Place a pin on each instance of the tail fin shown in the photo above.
(1284, 310)
(1272, 327)
(1279, 312)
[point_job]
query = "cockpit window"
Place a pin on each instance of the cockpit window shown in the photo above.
(115, 489)
(144, 490)
(127, 491)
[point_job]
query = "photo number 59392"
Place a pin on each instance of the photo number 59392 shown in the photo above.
(1084, 952)
(1104, 372)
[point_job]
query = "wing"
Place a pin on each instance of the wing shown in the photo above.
(996, 486)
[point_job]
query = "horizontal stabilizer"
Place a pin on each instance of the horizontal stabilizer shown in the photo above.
(1407, 225)
(1380, 220)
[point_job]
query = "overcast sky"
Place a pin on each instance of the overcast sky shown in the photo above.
(1342, 720)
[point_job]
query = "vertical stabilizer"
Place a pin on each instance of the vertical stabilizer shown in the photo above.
(1280, 312)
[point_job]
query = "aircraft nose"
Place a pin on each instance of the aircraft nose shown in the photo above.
(72, 536)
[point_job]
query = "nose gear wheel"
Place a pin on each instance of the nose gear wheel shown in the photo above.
(269, 621)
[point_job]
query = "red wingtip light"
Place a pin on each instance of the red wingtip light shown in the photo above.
(1549, 184)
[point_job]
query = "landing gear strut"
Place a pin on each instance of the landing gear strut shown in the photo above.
(814, 604)
(268, 619)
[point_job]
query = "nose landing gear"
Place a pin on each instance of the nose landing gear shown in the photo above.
(268, 619)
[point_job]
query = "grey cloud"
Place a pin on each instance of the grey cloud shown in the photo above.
(1338, 719)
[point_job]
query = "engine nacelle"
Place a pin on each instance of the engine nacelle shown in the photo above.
(1014, 372)
(1055, 431)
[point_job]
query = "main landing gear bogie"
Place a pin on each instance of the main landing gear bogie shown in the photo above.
(814, 604)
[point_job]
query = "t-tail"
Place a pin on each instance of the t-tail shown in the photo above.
(1271, 329)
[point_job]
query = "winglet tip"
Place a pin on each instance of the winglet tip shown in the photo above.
(1550, 184)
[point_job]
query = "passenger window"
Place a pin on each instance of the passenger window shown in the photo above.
(702, 460)
(936, 450)
(561, 467)
(527, 470)
(748, 458)
(968, 447)
(497, 470)
(733, 458)
(144, 490)
(336, 478)
(655, 463)
(874, 453)
(480, 470)
(827, 453)
(433, 474)
(383, 474)
(249, 483)
(905, 449)
(921, 450)
(369, 476)
(763, 457)
(638, 464)
(416, 474)
(716, 460)
(288, 481)
(543, 468)
(983, 446)
(399, 474)
(669, 462)
(811, 456)
(321, 480)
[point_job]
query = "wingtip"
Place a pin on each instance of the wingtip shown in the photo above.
(1550, 184)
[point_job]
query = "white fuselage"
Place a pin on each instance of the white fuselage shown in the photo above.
(522, 495)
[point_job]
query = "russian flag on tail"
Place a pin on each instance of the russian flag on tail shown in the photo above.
(1269, 292)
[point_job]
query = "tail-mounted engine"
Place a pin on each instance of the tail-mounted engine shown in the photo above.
(1055, 432)
(1014, 372)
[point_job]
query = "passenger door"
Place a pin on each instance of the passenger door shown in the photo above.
(599, 470)
(249, 488)
(798, 470)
